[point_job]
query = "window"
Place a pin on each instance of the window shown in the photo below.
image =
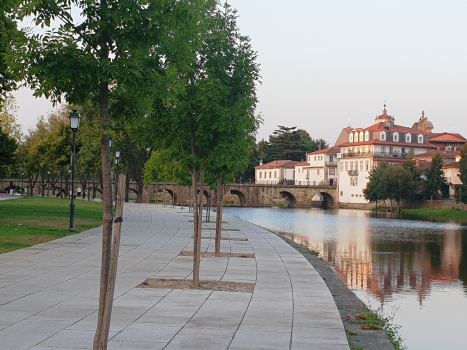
(332, 171)
(260, 174)
(383, 136)
(396, 137)
(353, 181)
(342, 166)
(352, 194)
(367, 165)
(351, 137)
(420, 138)
(408, 138)
(367, 135)
(355, 137)
(391, 150)
(315, 158)
(361, 165)
(331, 158)
(317, 171)
(275, 174)
(346, 166)
(351, 165)
(269, 174)
(361, 135)
(342, 193)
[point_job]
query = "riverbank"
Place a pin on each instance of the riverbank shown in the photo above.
(28, 220)
(436, 212)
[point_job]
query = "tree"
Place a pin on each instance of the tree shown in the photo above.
(207, 129)
(461, 195)
(7, 152)
(8, 121)
(8, 34)
(397, 183)
(130, 48)
(373, 191)
(285, 143)
(434, 178)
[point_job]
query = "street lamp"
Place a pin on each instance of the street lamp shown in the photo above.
(117, 160)
(48, 182)
(74, 125)
(22, 189)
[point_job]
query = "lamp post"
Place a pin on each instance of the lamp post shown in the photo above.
(74, 125)
(117, 160)
(22, 189)
(48, 183)
(68, 183)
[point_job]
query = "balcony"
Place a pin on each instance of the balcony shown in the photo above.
(353, 172)
(331, 163)
(374, 154)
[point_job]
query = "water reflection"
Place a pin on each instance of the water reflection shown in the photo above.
(390, 262)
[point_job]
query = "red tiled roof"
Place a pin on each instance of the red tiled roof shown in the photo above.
(446, 137)
(382, 126)
(326, 150)
(302, 164)
(278, 164)
(423, 164)
(456, 165)
(444, 154)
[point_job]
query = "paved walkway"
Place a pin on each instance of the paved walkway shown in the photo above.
(49, 292)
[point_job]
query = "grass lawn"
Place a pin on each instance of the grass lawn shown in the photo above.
(27, 221)
(448, 213)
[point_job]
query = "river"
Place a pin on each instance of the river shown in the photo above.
(414, 269)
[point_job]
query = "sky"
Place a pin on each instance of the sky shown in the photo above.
(325, 64)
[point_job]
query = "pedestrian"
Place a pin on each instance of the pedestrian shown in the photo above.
(241, 180)
(235, 181)
(79, 191)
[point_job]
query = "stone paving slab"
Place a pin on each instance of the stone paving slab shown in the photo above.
(49, 293)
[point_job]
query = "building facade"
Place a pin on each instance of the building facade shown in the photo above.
(275, 172)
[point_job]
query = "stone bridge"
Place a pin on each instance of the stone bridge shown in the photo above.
(249, 195)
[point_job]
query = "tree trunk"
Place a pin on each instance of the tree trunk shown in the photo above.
(106, 194)
(196, 237)
(61, 186)
(127, 188)
(220, 206)
(42, 186)
(139, 196)
(200, 227)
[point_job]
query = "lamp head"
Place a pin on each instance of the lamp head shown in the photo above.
(117, 153)
(74, 120)
(110, 141)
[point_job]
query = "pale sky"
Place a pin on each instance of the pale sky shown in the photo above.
(325, 62)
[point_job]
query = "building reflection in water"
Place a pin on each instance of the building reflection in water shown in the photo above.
(384, 261)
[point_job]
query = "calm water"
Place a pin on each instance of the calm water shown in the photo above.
(417, 269)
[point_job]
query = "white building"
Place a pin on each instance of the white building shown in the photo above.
(275, 172)
(320, 169)
(362, 148)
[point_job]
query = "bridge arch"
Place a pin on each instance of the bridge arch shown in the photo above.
(133, 190)
(290, 197)
(328, 200)
(241, 196)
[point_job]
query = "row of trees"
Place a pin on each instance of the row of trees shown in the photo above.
(175, 79)
(405, 181)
